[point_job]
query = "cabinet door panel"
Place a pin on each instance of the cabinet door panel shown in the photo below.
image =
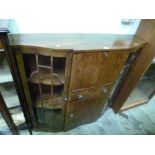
(45, 76)
(96, 68)
(86, 106)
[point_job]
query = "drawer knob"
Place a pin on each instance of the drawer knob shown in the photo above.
(105, 90)
(80, 96)
(71, 115)
(66, 99)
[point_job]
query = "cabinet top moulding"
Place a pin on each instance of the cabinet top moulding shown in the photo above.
(78, 42)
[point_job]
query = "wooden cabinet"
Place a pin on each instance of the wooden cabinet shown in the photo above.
(68, 82)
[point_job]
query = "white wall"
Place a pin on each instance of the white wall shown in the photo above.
(69, 25)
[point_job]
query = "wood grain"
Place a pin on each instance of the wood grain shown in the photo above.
(86, 106)
(51, 103)
(98, 68)
(77, 41)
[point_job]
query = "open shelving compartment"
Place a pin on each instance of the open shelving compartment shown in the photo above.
(46, 80)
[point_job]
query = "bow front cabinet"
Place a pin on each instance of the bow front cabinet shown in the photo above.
(68, 78)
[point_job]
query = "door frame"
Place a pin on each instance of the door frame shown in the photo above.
(146, 31)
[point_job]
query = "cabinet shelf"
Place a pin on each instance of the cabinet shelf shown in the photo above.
(49, 103)
(47, 78)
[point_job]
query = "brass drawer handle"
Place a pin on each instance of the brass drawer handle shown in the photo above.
(105, 90)
(82, 97)
(71, 115)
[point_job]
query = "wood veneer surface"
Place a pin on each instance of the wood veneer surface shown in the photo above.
(78, 41)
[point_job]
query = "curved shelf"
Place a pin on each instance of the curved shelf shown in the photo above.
(48, 103)
(48, 79)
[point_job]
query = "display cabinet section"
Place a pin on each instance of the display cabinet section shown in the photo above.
(45, 77)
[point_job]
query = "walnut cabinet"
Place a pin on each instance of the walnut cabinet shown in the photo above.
(68, 81)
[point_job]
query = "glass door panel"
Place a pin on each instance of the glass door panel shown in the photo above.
(46, 79)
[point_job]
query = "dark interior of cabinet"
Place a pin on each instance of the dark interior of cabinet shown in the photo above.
(59, 65)
(45, 76)
(144, 89)
(29, 64)
(44, 60)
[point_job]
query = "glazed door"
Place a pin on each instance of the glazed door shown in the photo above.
(85, 106)
(45, 76)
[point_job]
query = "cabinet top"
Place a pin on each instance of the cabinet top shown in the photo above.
(78, 41)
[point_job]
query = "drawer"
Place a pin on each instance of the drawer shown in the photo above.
(1, 45)
(86, 106)
(90, 93)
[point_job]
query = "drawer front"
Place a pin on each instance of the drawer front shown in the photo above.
(86, 106)
(90, 93)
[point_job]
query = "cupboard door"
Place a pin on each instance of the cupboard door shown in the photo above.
(86, 106)
(96, 68)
